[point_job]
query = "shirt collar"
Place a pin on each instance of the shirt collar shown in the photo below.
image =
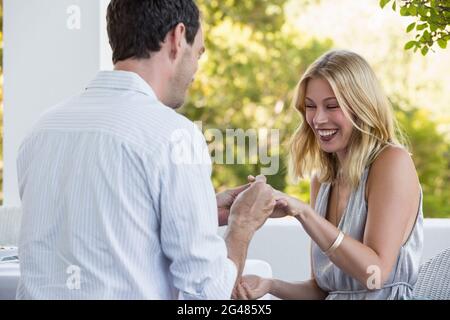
(124, 80)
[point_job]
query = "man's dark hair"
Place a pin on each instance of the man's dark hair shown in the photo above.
(138, 27)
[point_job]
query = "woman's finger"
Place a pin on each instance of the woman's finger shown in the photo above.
(282, 203)
(235, 191)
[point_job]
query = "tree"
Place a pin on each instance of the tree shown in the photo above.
(431, 155)
(431, 25)
(253, 61)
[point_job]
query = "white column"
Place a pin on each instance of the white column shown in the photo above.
(52, 48)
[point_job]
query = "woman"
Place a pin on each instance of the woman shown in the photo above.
(365, 215)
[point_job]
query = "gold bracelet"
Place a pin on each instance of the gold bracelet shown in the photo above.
(335, 244)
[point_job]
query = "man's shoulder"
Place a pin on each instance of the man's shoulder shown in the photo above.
(164, 121)
(143, 122)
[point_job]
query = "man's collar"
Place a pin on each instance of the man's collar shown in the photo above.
(124, 80)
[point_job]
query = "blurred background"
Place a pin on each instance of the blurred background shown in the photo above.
(257, 51)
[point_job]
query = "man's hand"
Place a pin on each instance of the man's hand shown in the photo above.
(281, 209)
(224, 201)
(249, 211)
(253, 206)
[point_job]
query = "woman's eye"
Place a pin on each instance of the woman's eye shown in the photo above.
(333, 106)
(310, 106)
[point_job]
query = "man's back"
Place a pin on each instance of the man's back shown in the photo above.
(95, 176)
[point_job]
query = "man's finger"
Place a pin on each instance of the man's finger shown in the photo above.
(241, 292)
(237, 190)
(247, 290)
(251, 178)
(234, 294)
(260, 178)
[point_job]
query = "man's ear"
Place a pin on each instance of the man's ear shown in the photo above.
(177, 39)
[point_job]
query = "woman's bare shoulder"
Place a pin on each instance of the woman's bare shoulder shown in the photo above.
(393, 158)
(394, 166)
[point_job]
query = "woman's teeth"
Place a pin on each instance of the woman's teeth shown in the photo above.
(326, 133)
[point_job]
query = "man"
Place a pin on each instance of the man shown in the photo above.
(110, 209)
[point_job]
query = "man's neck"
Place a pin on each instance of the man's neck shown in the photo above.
(149, 70)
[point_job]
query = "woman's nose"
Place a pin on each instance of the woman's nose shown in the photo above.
(320, 117)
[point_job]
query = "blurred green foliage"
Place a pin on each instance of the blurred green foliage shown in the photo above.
(431, 155)
(254, 60)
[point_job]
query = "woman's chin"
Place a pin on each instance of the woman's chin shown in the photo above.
(329, 148)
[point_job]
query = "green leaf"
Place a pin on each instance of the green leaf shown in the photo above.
(424, 50)
(411, 27)
(383, 3)
(404, 11)
(423, 12)
(422, 26)
(442, 43)
(434, 15)
(410, 44)
(412, 10)
(394, 5)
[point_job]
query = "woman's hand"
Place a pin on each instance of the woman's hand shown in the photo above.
(286, 205)
(290, 205)
(251, 287)
(280, 207)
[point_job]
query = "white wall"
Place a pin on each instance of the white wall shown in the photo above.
(47, 58)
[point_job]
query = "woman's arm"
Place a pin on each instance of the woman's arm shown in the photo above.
(305, 290)
(393, 193)
(254, 287)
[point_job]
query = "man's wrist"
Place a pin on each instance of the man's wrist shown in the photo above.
(239, 233)
(240, 223)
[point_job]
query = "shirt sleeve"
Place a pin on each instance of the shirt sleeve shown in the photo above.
(189, 223)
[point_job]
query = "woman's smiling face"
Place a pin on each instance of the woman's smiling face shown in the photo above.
(326, 118)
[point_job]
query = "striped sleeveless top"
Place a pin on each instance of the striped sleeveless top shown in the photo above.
(336, 282)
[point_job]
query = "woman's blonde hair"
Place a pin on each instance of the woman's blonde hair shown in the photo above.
(363, 102)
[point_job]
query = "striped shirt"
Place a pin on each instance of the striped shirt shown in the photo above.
(118, 202)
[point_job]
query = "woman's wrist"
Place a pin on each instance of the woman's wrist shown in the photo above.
(271, 286)
(304, 213)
